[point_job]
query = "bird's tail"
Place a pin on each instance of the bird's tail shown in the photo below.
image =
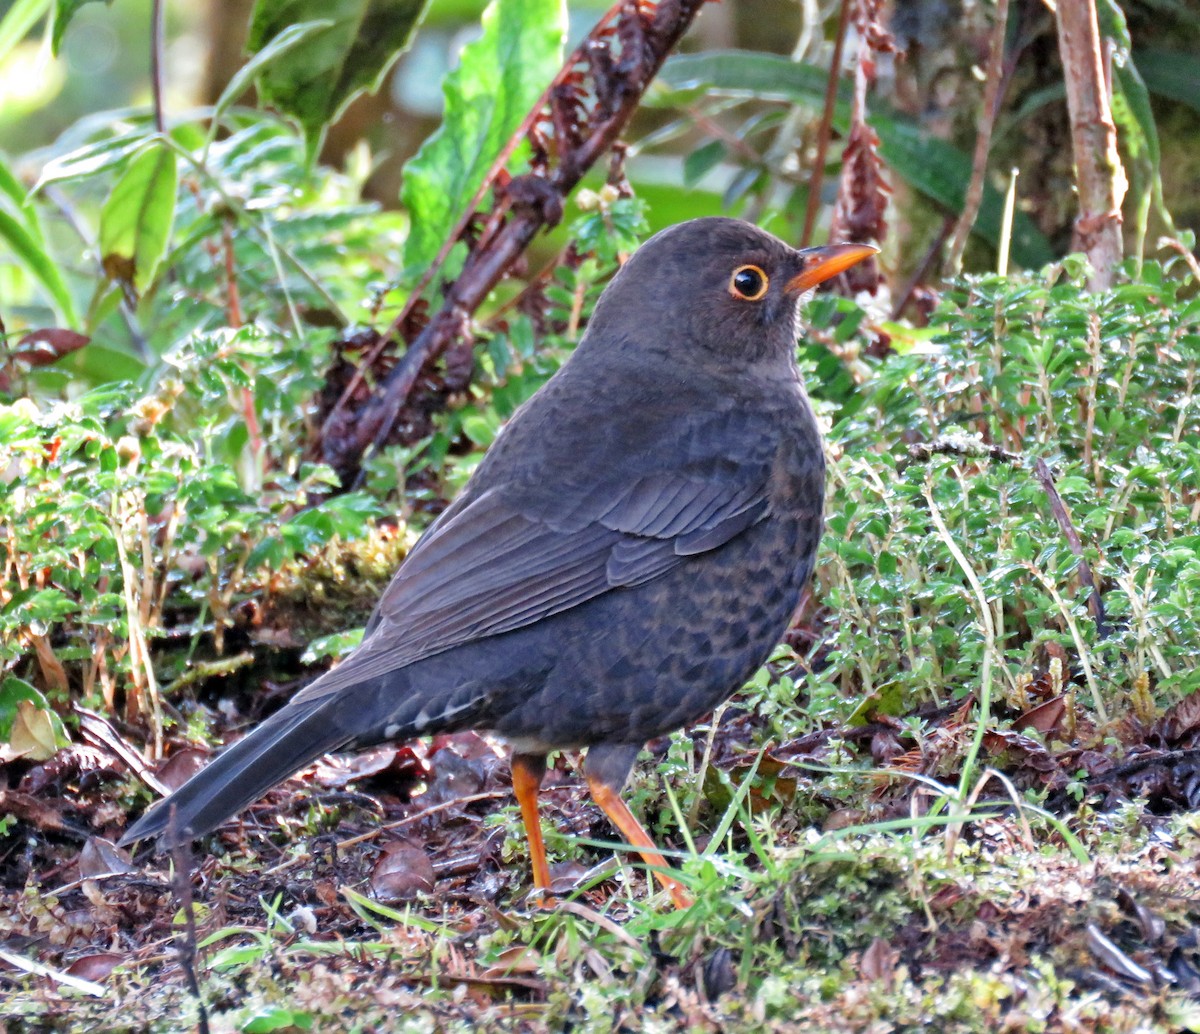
(239, 775)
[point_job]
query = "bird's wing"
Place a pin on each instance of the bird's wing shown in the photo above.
(506, 558)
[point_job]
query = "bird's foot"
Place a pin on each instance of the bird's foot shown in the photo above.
(680, 898)
(541, 898)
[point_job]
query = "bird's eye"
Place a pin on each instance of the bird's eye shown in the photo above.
(748, 283)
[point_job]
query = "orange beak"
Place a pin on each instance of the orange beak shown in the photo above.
(822, 263)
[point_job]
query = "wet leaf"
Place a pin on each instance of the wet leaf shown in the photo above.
(48, 345)
(181, 766)
(514, 960)
(879, 961)
(1045, 718)
(36, 732)
(41, 814)
(1180, 723)
(886, 700)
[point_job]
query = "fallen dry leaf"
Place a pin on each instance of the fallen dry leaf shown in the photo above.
(94, 967)
(101, 857)
(401, 873)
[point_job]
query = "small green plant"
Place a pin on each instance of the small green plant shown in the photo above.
(950, 430)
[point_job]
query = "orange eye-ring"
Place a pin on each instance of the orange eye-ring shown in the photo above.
(749, 283)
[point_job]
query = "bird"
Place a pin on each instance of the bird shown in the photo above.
(625, 556)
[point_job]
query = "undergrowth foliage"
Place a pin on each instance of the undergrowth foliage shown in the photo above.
(1013, 520)
(140, 517)
(1100, 387)
(126, 525)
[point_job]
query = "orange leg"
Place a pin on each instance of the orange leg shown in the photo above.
(527, 773)
(621, 817)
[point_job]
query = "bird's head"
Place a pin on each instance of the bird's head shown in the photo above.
(716, 288)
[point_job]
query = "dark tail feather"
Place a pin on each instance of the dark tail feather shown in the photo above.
(239, 775)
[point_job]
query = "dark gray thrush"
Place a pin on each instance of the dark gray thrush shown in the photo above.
(627, 554)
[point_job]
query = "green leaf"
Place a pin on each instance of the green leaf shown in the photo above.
(313, 79)
(12, 188)
(1135, 118)
(335, 645)
(23, 244)
(15, 25)
(499, 78)
(136, 220)
(28, 725)
(748, 73)
(1171, 73)
(273, 51)
(64, 11)
(272, 1018)
(701, 161)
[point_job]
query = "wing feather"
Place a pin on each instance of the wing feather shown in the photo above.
(511, 555)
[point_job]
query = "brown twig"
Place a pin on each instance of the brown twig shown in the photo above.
(408, 820)
(826, 128)
(983, 141)
(955, 445)
(1059, 509)
(185, 940)
(575, 126)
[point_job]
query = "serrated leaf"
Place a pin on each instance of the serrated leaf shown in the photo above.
(136, 220)
(285, 41)
(316, 78)
(64, 11)
(93, 158)
(498, 79)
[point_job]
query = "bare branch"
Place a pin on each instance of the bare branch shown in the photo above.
(983, 141)
(1099, 176)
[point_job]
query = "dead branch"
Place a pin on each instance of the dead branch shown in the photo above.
(956, 445)
(983, 140)
(584, 111)
(825, 131)
(859, 213)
